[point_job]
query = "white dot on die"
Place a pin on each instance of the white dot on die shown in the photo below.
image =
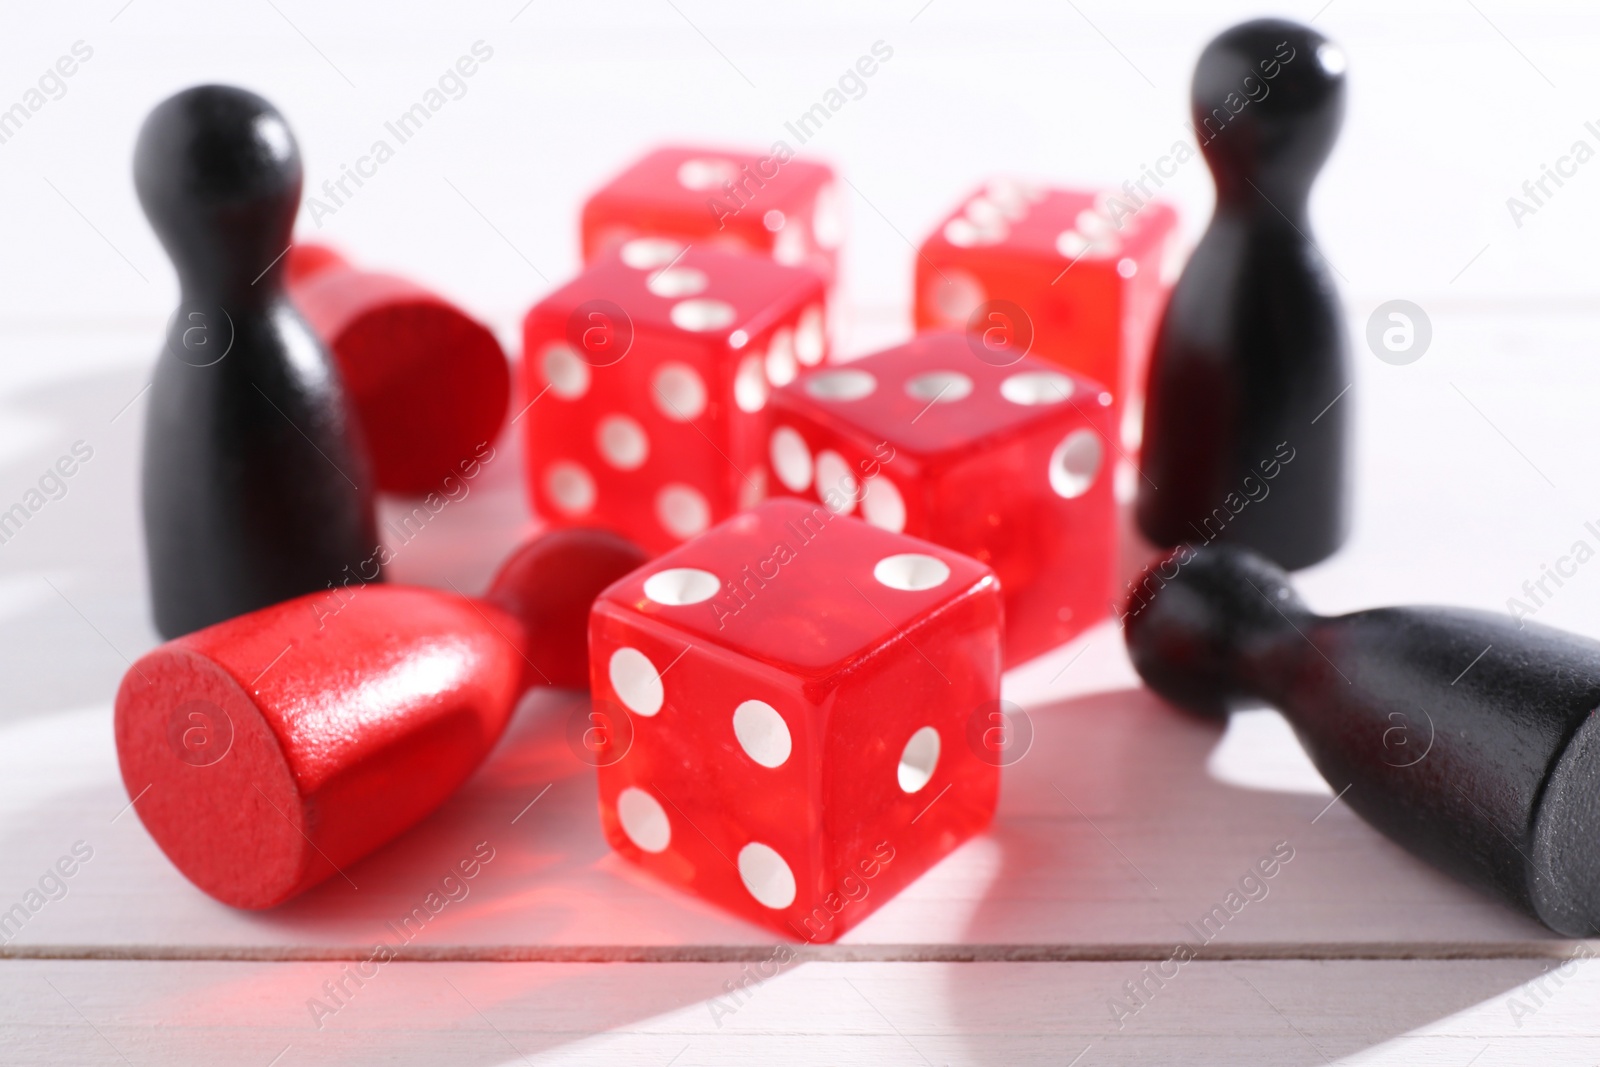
(810, 337)
(762, 733)
(939, 387)
(827, 217)
(848, 384)
(706, 173)
(570, 487)
(750, 384)
(1034, 387)
(682, 510)
(911, 572)
(781, 364)
(677, 281)
(918, 759)
(773, 220)
(643, 819)
(1075, 462)
(790, 247)
(1127, 268)
(883, 506)
(679, 392)
(636, 682)
(835, 479)
(567, 374)
(953, 296)
(622, 442)
(766, 875)
(791, 459)
(1072, 244)
(701, 316)
(677, 586)
(648, 253)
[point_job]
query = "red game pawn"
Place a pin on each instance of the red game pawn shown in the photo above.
(269, 751)
(429, 384)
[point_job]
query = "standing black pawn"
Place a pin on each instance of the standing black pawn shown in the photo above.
(1251, 350)
(1469, 739)
(256, 488)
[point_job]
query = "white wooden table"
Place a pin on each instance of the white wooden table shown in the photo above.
(1125, 821)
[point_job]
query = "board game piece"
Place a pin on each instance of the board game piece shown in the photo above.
(428, 384)
(1071, 276)
(1010, 465)
(1250, 360)
(651, 372)
(272, 751)
(255, 484)
(773, 204)
(800, 687)
(1467, 737)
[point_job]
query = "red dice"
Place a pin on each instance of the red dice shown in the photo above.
(1008, 464)
(774, 204)
(651, 373)
(1072, 277)
(428, 383)
(801, 687)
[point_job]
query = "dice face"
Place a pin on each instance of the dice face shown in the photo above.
(1088, 273)
(1010, 465)
(648, 378)
(773, 204)
(800, 687)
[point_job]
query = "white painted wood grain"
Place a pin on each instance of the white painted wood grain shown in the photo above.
(1487, 1013)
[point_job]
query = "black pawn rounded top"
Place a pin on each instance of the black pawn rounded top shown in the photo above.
(1267, 101)
(218, 173)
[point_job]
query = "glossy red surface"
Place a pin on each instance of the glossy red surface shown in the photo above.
(1011, 465)
(271, 751)
(1091, 278)
(429, 384)
(650, 383)
(775, 672)
(789, 209)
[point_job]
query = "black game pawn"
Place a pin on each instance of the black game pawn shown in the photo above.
(1465, 737)
(256, 488)
(1250, 356)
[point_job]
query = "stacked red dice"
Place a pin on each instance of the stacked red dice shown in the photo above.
(1076, 278)
(1008, 464)
(651, 372)
(800, 688)
(773, 204)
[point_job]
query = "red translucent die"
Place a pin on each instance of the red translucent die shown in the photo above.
(429, 384)
(773, 204)
(268, 752)
(651, 373)
(800, 687)
(1089, 273)
(1009, 465)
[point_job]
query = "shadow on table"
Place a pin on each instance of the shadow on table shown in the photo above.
(73, 591)
(1115, 798)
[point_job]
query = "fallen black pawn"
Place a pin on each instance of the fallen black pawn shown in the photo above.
(1466, 737)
